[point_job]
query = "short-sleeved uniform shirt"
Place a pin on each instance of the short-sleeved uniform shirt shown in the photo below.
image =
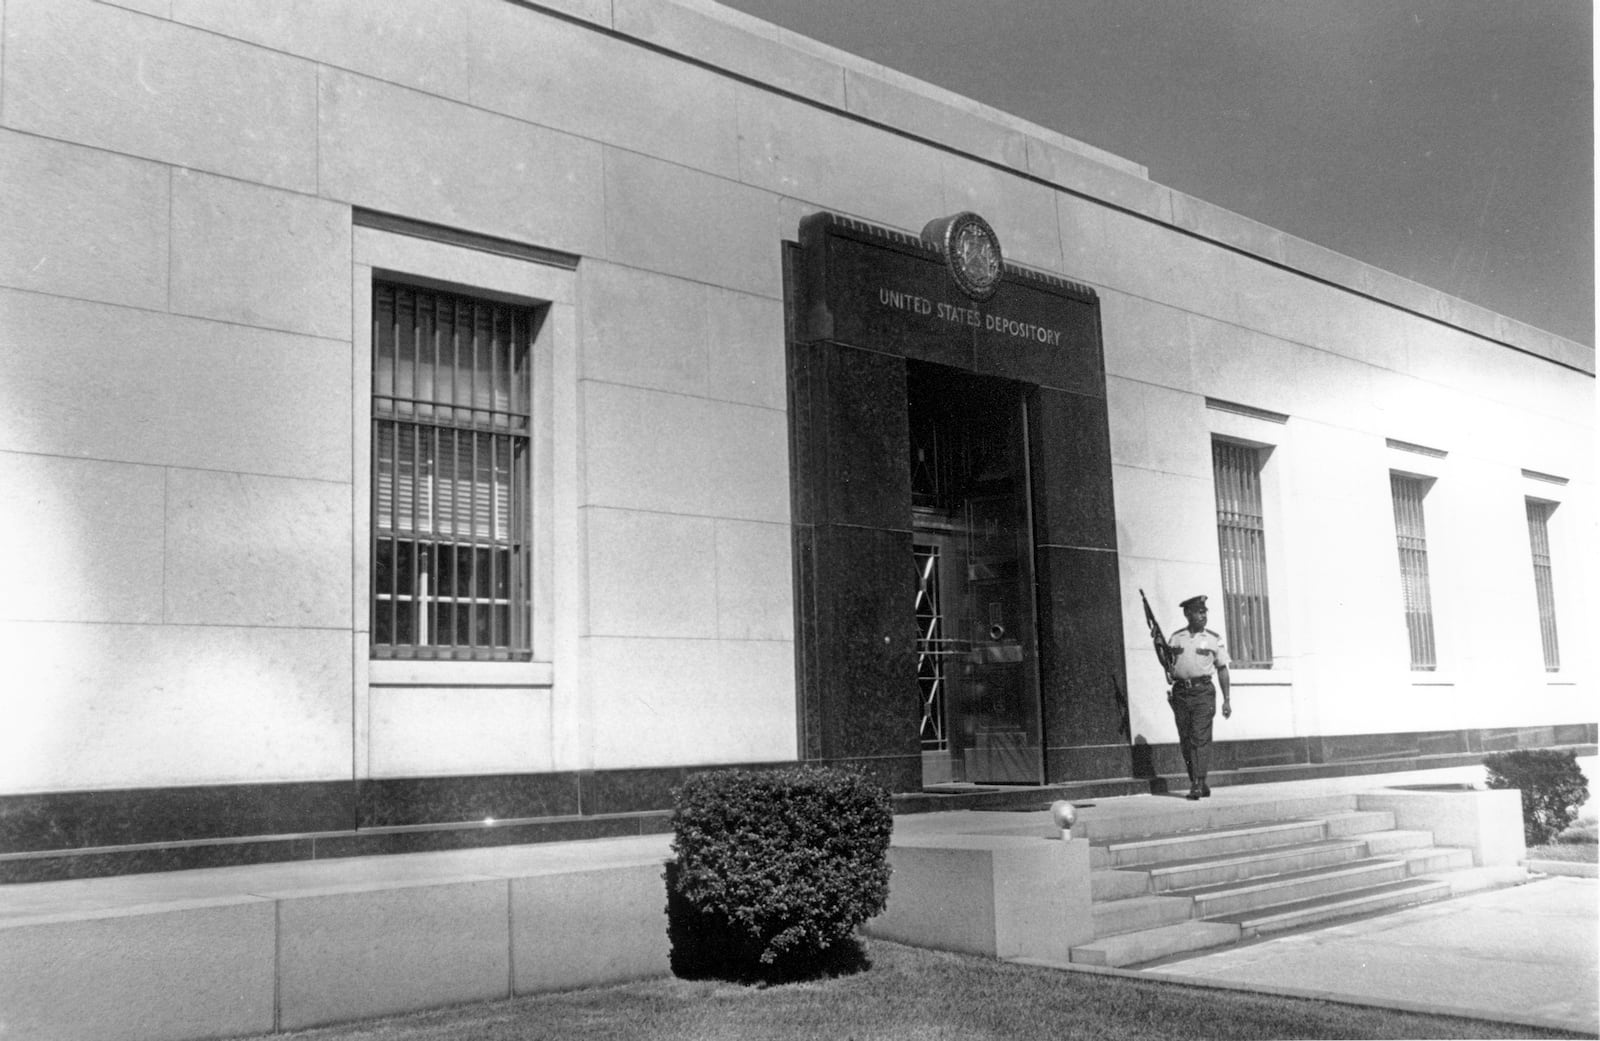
(1195, 655)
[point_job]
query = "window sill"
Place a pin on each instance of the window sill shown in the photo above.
(394, 673)
(1432, 679)
(1260, 678)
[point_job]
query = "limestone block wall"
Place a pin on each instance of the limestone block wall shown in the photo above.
(174, 360)
(1348, 377)
(185, 188)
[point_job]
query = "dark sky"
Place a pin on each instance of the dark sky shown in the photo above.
(1450, 141)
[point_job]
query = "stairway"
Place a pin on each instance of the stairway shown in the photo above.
(1157, 895)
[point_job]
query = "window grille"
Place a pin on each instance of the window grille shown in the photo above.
(1242, 545)
(1412, 539)
(450, 434)
(1544, 587)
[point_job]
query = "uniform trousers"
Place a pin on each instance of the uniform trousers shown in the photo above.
(1194, 706)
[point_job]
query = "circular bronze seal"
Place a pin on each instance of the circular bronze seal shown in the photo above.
(971, 252)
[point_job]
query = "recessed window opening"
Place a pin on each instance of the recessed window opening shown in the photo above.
(1543, 582)
(1242, 547)
(451, 392)
(1411, 538)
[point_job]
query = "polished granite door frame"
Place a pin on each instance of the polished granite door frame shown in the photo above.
(862, 303)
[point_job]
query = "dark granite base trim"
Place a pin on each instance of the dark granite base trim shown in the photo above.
(53, 866)
(179, 816)
(386, 802)
(136, 816)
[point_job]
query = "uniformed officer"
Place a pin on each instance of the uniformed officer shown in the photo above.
(1197, 655)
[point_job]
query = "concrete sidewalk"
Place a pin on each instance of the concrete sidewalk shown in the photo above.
(1527, 954)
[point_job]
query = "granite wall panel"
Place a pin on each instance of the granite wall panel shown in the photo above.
(384, 802)
(1070, 441)
(131, 816)
(869, 703)
(380, 40)
(257, 256)
(140, 86)
(273, 403)
(864, 439)
(84, 223)
(1081, 660)
(395, 150)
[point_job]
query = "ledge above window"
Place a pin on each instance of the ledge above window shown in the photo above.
(413, 673)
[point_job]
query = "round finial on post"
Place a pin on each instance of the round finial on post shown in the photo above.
(1065, 815)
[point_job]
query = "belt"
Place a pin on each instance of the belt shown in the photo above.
(1203, 681)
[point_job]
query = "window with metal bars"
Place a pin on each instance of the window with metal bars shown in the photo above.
(1411, 536)
(451, 388)
(1544, 588)
(1242, 546)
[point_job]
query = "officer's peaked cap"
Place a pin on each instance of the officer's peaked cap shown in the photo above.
(1194, 603)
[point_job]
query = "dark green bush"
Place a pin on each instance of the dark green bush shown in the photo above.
(773, 871)
(1553, 788)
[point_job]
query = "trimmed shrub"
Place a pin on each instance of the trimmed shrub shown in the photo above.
(1553, 788)
(773, 871)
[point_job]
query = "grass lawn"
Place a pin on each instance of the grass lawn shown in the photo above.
(1579, 843)
(1581, 852)
(911, 995)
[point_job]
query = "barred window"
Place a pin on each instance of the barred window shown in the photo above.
(1539, 537)
(1242, 545)
(1412, 538)
(450, 429)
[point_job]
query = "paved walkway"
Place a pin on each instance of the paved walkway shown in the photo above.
(1525, 954)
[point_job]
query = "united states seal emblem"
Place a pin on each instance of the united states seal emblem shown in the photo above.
(971, 252)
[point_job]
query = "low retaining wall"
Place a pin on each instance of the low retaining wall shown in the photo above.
(1487, 822)
(1005, 896)
(287, 960)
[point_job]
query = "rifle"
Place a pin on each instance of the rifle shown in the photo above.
(1163, 650)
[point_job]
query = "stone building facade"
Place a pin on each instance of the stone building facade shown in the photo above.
(418, 413)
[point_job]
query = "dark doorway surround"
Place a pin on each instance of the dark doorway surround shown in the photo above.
(865, 305)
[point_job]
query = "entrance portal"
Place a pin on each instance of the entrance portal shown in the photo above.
(977, 645)
(956, 587)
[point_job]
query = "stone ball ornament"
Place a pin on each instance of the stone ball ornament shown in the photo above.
(1065, 815)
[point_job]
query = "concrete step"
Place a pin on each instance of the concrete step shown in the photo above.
(1356, 822)
(1174, 816)
(1430, 860)
(1477, 879)
(1390, 843)
(1236, 867)
(1194, 845)
(1135, 913)
(1211, 901)
(1340, 905)
(1150, 944)
(1111, 884)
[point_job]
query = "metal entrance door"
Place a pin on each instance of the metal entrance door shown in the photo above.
(977, 651)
